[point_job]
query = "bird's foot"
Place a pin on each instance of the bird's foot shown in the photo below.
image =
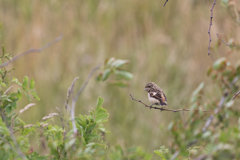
(161, 109)
(151, 106)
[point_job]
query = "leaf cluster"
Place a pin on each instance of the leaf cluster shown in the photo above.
(113, 66)
(211, 135)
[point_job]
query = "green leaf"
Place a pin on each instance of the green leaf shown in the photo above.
(3, 48)
(124, 74)
(206, 134)
(100, 110)
(91, 127)
(3, 84)
(229, 104)
(109, 62)
(197, 92)
(209, 71)
(70, 143)
(225, 1)
(157, 152)
(220, 64)
(99, 77)
(15, 80)
(119, 84)
(27, 96)
(99, 101)
(119, 62)
(25, 83)
(32, 84)
(19, 94)
(106, 73)
(101, 117)
(4, 130)
(35, 95)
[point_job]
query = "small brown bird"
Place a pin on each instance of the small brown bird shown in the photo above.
(156, 95)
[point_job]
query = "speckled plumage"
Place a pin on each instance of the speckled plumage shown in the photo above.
(156, 95)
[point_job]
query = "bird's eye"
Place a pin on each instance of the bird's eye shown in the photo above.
(149, 86)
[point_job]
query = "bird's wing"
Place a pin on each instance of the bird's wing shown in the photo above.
(160, 96)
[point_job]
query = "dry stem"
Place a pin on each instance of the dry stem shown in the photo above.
(32, 50)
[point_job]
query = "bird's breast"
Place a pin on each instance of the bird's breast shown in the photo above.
(153, 100)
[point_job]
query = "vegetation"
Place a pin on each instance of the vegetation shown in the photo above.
(150, 43)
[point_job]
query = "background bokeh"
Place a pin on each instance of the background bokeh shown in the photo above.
(166, 45)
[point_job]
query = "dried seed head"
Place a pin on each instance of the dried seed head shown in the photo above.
(29, 125)
(27, 107)
(50, 116)
(44, 124)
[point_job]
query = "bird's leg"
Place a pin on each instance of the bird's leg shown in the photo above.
(151, 106)
(161, 109)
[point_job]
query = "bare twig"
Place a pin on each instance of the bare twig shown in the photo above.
(78, 94)
(86, 82)
(165, 3)
(164, 109)
(33, 50)
(72, 87)
(220, 105)
(68, 96)
(62, 122)
(73, 107)
(175, 155)
(16, 144)
(8, 89)
(224, 41)
(209, 30)
(202, 157)
(236, 95)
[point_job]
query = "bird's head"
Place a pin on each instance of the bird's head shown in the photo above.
(149, 86)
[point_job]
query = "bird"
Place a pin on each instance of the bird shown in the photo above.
(156, 95)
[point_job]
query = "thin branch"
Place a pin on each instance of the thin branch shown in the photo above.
(175, 155)
(73, 107)
(68, 96)
(72, 87)
(63, 127)
(165, 3)
(224, 41)
(16, 144)
(8, 89)
(209, 30)
(32, 50)
(220, 105)
(86, 82)
(202, 157)
(164, 109)
(78, 94)
(236, 95)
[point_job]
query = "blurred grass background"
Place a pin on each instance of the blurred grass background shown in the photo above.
(166, 45)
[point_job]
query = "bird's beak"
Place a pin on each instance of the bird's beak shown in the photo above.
(145, 89)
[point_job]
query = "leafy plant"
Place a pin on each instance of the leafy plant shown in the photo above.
(113, 66)
(209, 135)
(58, 142)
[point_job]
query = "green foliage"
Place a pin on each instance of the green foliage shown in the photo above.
(212, 134)
(117, 153)
(59, 142)
(113, 66)
(162, 153)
